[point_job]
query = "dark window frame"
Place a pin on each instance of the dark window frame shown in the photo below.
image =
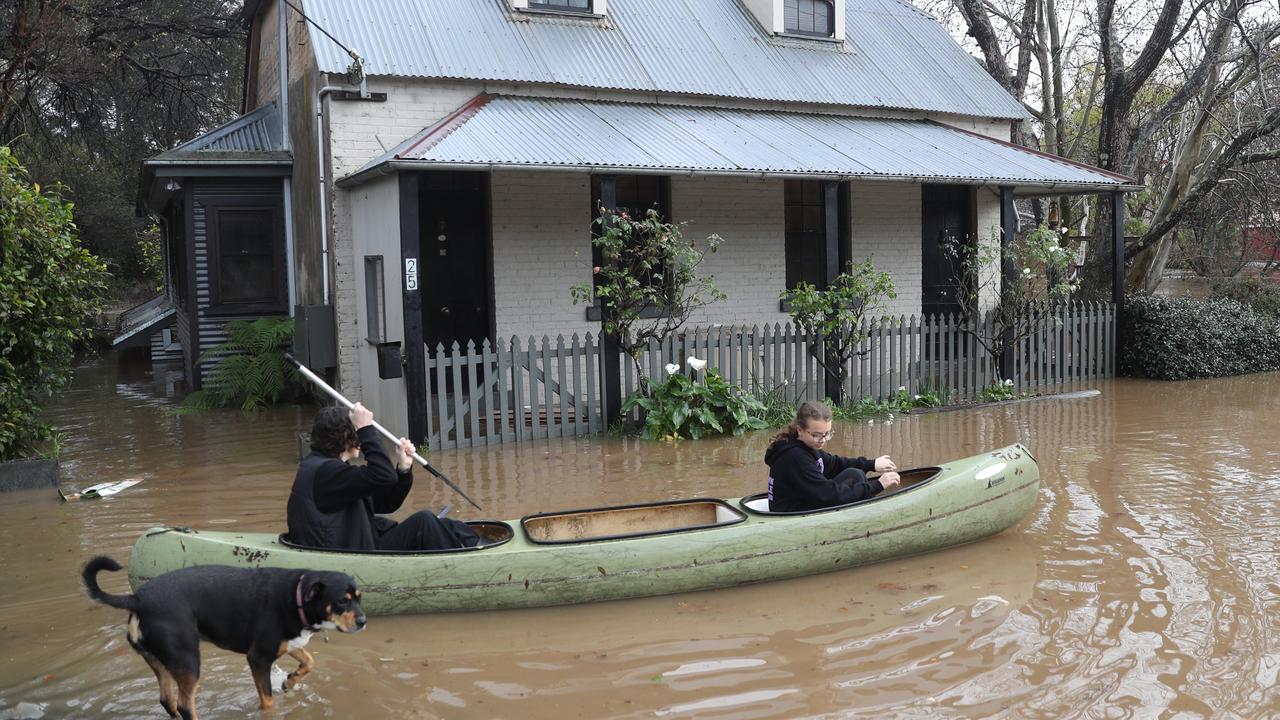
(561, 7)
(837, 212)
(213, 209)
(375, 297)
(663, 203)
(831, 20)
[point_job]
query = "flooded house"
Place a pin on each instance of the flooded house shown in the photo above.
(415, 182)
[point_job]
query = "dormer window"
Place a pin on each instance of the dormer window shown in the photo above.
(591, 8)
(807, 20)
(569, 5)
(808, 17)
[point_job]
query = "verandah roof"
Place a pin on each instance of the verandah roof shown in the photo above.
(497, 131)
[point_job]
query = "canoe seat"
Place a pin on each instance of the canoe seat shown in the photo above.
(758, 504)
(491, 532)
(629, 521)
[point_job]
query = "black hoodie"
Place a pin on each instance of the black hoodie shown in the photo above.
(802, 479)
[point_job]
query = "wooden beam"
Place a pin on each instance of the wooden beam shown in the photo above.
(415, 376)
(1008, 268)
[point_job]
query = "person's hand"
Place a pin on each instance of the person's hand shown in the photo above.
(404, 454)
(361, 416)
(884, 464)
(890, 479)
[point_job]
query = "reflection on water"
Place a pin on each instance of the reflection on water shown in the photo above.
(1143, 584)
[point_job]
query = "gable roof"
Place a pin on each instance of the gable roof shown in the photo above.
(530, 133)
(894, 56)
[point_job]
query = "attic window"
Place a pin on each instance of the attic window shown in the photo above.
(808, 17)
(576, 7)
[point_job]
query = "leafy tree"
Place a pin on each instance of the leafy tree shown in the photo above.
(834, 317)
(647, 283)
(998, 312)
(90, 88)
(50, 289)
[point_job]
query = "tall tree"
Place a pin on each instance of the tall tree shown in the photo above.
(89, 88)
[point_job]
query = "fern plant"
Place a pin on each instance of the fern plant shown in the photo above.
(251, 372)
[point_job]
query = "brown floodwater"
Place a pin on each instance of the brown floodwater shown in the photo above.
(1145, 583)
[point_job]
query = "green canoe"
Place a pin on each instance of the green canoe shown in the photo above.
(640, 550)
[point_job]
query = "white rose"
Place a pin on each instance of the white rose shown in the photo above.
(695, 363)
(672, 368)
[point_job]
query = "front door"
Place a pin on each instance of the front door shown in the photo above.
(454, 255)
(947, 215)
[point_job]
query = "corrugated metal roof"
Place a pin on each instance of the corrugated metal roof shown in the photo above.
(560, 133)
(253, 133)
(894, 56)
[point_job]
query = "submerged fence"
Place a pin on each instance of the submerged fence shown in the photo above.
(543, 388)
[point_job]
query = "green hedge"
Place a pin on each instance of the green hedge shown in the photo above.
(1261, 295)
(1185, 338)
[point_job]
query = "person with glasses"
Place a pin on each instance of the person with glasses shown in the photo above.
(803, 476)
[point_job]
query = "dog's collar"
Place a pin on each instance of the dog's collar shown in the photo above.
(297, 593)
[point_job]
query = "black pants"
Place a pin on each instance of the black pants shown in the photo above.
(424, 531)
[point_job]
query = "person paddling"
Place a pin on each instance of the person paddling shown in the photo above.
(803, 476)
(332, 503)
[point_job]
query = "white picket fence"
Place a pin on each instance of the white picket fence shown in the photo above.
(544, 388)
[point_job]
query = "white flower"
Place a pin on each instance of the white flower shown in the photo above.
(902, 388)
(672, 368)
(695, 363)
(1026, 271)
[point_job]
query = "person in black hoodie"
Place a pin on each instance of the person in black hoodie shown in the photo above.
(333, 503)
(802, 476)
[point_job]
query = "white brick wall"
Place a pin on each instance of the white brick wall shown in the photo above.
(361, 131)
(750, 267)
(541, 246)
(886, 228)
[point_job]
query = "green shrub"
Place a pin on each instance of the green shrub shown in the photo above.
(252, 373)
(681, 407)
(1258, 294)
(50, 289)
(1184, 338)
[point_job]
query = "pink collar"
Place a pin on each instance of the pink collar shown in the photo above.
(297, 593)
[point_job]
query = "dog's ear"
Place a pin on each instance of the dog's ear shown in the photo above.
(315, 590)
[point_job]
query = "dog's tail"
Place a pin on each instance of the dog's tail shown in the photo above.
(90, 577)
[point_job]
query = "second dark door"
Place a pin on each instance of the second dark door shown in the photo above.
(947, 215)
(455, 258)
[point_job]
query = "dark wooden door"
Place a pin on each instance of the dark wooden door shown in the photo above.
(455, 258)
(946, 213)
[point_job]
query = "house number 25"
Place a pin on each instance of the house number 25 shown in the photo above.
(411, 273)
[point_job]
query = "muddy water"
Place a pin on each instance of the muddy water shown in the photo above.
(1145, 584)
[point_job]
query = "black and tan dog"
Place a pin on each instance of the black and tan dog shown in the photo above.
(263, 613)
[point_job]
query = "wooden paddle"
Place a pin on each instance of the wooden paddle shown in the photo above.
(306, 372)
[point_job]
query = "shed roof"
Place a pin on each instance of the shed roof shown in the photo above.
(894, 56)
(526, 132)
(256, 134)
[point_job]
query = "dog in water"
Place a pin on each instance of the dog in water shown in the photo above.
(262, 613)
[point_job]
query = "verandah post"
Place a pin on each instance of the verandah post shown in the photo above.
(1008, 270)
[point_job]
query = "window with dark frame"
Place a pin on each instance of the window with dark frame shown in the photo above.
(809, 17)
(635, 195)
(374, 295)
(581, 6)
(247, 258)
(806, 232)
